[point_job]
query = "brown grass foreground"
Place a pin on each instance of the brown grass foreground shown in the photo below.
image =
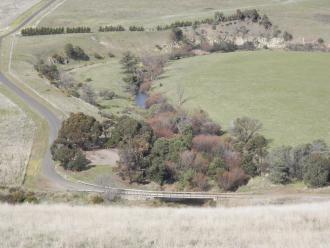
(305, 225)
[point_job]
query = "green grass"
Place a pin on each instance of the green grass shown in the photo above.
(298, 16)
(145, 12)
(91, 175)
(106, 74)
(288, 92)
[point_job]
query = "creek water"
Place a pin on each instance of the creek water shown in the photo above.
(140, 99)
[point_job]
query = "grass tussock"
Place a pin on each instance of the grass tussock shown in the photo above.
(306, 225)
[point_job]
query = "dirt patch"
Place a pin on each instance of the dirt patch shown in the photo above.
(103, 157)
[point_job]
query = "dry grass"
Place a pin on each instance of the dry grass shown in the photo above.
(66, 226)
(16, 136)
(10, 9)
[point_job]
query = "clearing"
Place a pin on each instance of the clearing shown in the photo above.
(287, 91)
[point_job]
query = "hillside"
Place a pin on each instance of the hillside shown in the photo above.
(286, 91)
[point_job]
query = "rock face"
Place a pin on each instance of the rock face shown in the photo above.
(237, 32)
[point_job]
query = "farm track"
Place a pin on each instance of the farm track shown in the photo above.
(48, 169)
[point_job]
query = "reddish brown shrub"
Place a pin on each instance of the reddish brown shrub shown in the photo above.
(200, 182)
(163, 124)
(187, 159)
(233, 179)
(201, 124)
(156, 98)
(206, 143)
(232, 159)
(145, 87)
(201, 163)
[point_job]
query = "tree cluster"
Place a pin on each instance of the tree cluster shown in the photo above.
(307, 162)
(189, 150)
(50, 72)
(118, 28)
(71, 30)
(78, 133)
(49, 31)
(136, 29)
(219, 17)
(75, 52)
(42, 31)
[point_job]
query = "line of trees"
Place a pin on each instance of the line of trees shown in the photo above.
(118, 28)
(52, 31)
(42, 31)
(78, 30)
(136, 28)
(219, 17)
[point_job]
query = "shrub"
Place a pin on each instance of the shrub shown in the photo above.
(216, 167)
(279, 165)
(48, 71)
(75, 53)
(79, 162)
(177, 34)
(107, 94)
(224, 46)
(287, 36)
(98, 56)
(155, 98)
(96, 199)
(316, 170)
(206, 143)
(164, 124)
(232, 180)
(200, 182)
(81, 130)
(111, 55)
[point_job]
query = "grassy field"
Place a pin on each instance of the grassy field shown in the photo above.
(304, 18)
(288, 92)
(105, 74)
(305, 225)
(11, 9)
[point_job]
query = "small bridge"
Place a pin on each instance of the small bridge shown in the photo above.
(166, 195)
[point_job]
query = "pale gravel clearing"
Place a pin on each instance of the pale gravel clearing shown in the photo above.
(16, 137)
(294, 226)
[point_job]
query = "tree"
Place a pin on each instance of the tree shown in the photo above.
(69, 156)
(316, 170)
(80, 130)
(75, 53)
(279, 165)
(132, 164)
(250, 143)
(287, 36)
(177, 35)
(79, 162)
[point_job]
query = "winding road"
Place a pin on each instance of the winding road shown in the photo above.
(54, 123)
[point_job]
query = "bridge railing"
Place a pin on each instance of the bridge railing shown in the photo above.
(163, 194)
